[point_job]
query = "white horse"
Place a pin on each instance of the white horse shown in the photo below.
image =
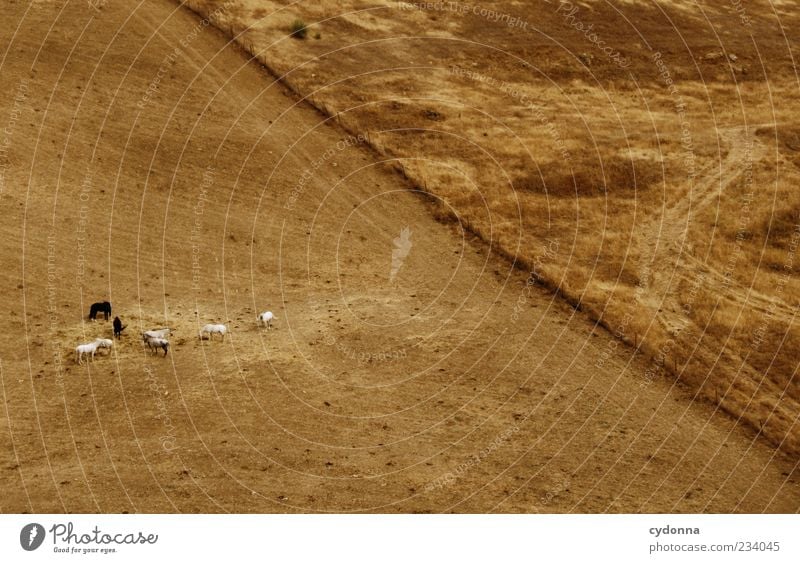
(266, 318)
(212, 329)
(91, 348)
(86, 350)
(155, 343)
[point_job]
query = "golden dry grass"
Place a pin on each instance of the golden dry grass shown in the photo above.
(673, 211)
(333, 410)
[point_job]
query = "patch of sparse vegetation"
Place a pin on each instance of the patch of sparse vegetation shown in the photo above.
(299, 29)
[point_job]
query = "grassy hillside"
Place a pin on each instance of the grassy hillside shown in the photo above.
(640, 158)
(147, 161)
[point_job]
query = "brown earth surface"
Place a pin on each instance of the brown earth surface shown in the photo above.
(411, 368)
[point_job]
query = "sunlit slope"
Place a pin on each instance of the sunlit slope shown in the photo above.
(406, 372)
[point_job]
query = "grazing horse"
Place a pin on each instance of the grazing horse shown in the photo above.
(266, 318)
(118, 327)
(101, 307)
(86, 350)
(212, 329)
(91, 348)
(155, 343)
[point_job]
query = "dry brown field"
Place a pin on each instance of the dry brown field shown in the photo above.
(640, 158)
(449, 270)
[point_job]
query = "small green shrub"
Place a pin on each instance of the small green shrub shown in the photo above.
(299, 29)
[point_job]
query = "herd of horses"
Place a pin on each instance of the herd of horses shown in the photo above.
(154, 339)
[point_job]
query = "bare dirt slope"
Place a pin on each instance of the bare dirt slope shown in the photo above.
(410, 369)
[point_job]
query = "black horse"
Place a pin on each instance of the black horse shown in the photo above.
(118, 327)
(104, 307)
